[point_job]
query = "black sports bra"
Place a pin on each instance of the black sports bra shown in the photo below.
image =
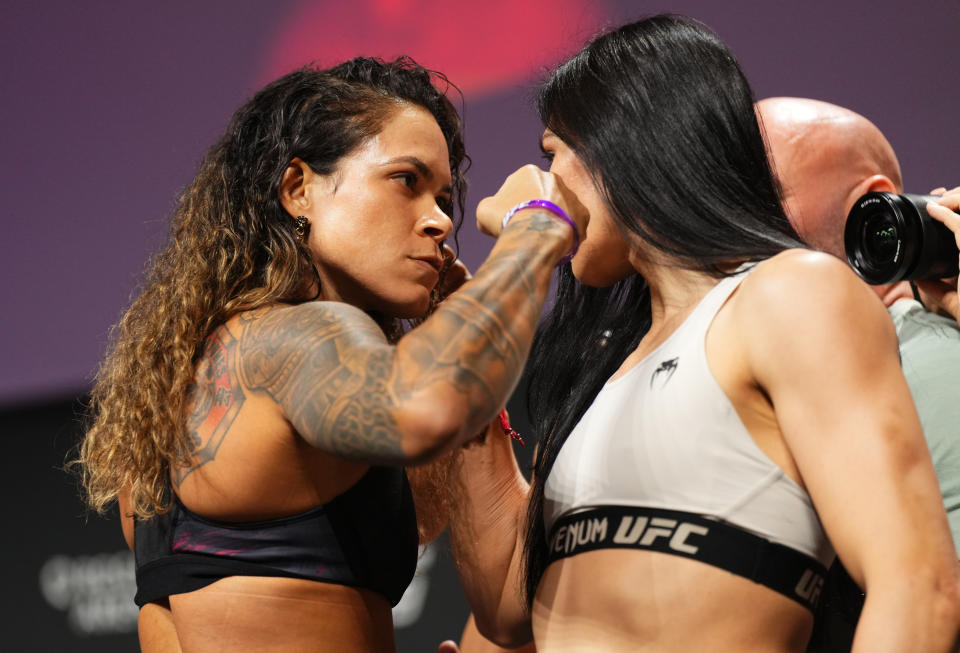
(365, 537)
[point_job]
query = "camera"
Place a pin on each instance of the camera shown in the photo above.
(890, 237)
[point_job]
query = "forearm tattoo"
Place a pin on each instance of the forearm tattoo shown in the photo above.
(340, 383)
(478, 338)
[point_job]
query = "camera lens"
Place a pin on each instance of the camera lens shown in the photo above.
(880, 238)
(890, 237)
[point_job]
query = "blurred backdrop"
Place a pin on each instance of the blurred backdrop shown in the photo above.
(107, 108)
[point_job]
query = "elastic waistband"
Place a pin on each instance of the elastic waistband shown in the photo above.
(720, 544)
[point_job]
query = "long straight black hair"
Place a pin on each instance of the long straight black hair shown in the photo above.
(662, 117)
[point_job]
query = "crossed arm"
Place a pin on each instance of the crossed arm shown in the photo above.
(348, 392)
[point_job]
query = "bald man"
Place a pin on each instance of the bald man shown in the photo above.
(825, 158)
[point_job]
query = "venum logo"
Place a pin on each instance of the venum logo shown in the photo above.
(667, 368)
(579, 533)
(640, 532)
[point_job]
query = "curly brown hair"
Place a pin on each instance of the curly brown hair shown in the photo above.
(234, 248)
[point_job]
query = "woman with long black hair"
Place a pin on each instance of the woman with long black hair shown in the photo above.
(717, 409)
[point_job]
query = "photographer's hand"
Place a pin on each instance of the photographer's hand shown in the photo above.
(942, 296)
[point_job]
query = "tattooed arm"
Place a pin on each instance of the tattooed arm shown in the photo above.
(349, 393)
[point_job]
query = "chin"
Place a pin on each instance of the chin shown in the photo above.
(599, 278)
(411, 308)
(604, 256)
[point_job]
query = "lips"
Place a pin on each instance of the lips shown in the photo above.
(433, 261)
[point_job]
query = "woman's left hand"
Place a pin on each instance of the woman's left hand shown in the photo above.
(455, 273)
(942, 296)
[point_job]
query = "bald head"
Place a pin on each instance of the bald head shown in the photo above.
(825, 158)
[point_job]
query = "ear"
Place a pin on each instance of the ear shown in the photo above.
(872, 184)
(292, 191)
(880, 184)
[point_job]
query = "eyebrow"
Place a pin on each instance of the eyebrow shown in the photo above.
(422, 167)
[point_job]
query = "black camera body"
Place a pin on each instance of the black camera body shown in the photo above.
(890, 237)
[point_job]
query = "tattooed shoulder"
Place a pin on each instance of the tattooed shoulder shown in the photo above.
(328, 366)
(274, 344)
(213, 401)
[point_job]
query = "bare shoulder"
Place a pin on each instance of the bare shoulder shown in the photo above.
(277, 325)
(328, 368)
(811, 308)
(802, 271)
(799, 287)
(274, 341)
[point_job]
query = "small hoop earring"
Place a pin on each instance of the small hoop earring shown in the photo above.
(301, 227)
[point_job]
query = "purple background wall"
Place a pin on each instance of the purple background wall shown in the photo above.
(107, 108)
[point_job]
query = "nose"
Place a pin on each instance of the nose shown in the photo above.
(435, 224)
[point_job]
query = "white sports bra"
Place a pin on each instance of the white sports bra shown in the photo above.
(665, 436)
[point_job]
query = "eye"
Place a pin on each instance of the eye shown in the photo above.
(408, 179)
(446, 205)
(546, 154)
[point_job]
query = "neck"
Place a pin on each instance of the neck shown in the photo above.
(674, 292)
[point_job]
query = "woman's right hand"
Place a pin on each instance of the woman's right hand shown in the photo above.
(529, 183)
(455, 273)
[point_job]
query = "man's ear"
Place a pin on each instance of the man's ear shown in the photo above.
(872, 184)
(292, 191)
(877, 184)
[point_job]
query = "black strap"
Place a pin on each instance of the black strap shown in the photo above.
(720, 544)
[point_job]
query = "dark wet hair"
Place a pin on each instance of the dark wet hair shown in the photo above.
(662, 117)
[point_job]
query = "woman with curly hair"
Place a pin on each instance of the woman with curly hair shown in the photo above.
(718, 410)
(263, 394)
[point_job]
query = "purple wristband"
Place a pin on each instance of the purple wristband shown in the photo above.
(549, 206)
